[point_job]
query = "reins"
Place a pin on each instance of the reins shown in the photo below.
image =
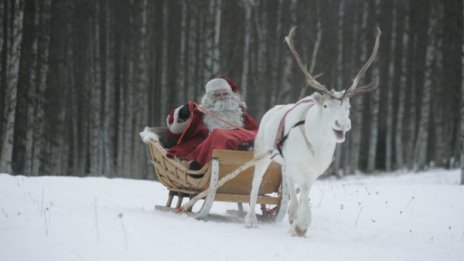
(217, 117)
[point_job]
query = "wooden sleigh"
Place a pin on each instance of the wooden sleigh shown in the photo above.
(184, 183)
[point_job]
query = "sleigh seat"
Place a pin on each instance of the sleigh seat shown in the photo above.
(184, 183)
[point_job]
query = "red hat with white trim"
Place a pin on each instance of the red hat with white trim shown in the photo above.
(221, 83)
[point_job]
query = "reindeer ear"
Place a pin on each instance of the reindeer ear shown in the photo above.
(319, 98)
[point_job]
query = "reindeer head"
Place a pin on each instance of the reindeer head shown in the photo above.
(333, 115)
(335, 106)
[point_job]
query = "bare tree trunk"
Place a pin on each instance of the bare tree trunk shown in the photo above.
(164, 71)
(420, 153)
(138, 168)
(372, 153)
(192, 45)
(285, 84)
(401, 79)
(200, 50)
(216, 64)
(439, 120)
(32, 93)
(357, 104)
(419, 28)
(214, 31)
(317, 44)
(462, 99)
(373, 103)
(340, 73)
(94, 84)
(262, 31)
(126, 149)
(3, 52)
(462, 118)
(124, 105)
(12, 69)
(387, 82)
(183, 59)
(411, 96)
(58, 82)
(248, 5)
(39, 150)
(108, 86)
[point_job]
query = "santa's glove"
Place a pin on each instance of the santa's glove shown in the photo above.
(184, 112)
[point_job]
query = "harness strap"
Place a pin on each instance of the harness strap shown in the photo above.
(308, 144)
(279, 148)
(281, 136)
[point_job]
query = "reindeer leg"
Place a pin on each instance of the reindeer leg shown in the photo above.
(260, 168)
(293, 199)
(303, 219)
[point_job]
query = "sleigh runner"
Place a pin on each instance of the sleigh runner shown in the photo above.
(184, 183)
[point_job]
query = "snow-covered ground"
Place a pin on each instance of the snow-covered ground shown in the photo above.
(410, 216)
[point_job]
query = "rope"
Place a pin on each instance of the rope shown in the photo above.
(222, 181)
(217, 117)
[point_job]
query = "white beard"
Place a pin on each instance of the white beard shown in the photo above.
(228, 110)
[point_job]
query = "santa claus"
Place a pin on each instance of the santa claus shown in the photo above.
(219, 122)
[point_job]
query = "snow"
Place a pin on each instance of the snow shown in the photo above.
(400, 216)
(147, 135)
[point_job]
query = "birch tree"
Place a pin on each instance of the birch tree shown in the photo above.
(411, 95)
(107, 49)
(462, 98)
(400, 80)
(285, 83)
(248, 5)
(374, 103)
(340, 74)
(138, 168)
(462, 115)
(213, 31)
(13, 55)
(358, 103)
(32, 93)
(3, 25)
(386, 77)
(420, 152)
(94, 76)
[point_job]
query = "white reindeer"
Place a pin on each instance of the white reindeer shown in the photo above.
(311, 128)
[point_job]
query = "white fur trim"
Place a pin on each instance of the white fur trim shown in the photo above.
(217, 84)
(176, 127)
(147, 135)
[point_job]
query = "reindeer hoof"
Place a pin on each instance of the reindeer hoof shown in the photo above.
(298, 232)
(251, 222)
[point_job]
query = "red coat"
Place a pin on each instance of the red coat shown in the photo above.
(194, 142)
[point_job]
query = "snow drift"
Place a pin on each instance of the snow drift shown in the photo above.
(393, 217)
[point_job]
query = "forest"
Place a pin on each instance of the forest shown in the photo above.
(79, 79)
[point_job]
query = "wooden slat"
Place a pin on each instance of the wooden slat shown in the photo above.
(246, 198)
(230, 160)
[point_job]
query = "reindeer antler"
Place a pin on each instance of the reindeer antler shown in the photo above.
(310, 80)
(354, 90)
